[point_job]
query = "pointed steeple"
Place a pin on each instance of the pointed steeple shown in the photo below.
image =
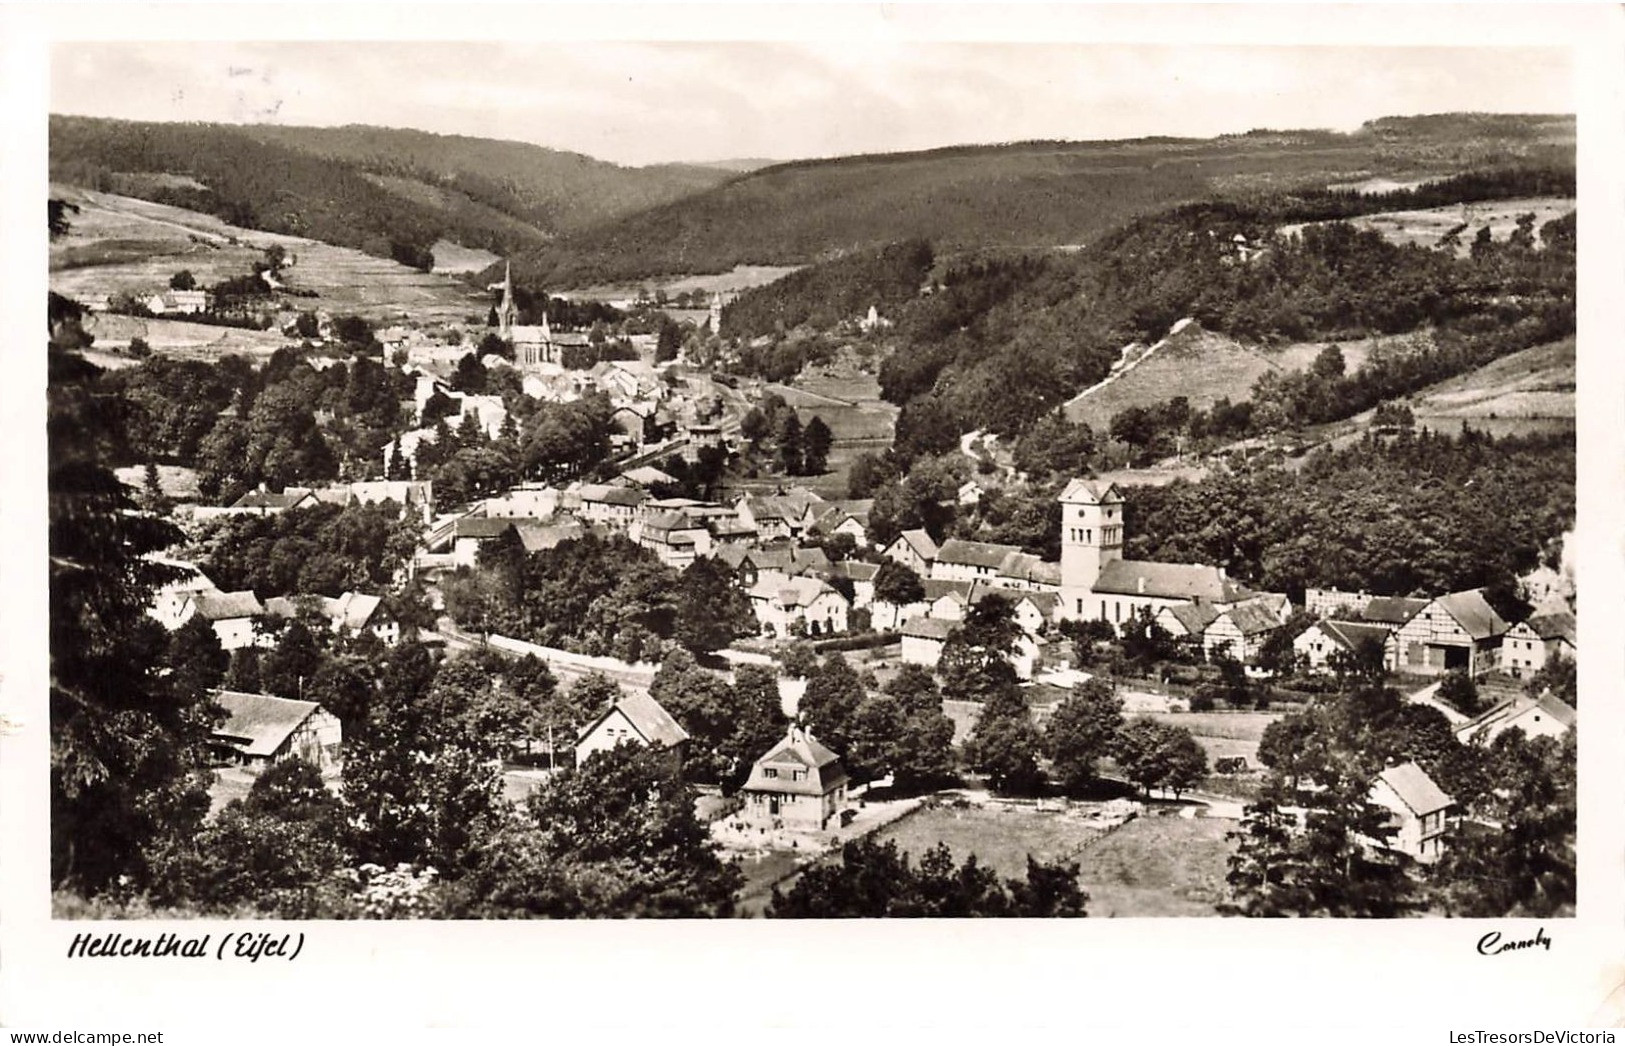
(506, 312)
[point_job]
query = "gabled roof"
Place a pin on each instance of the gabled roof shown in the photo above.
(1473, 613)
(1415, 788)
(224, 606)
(536, 536)
(1350, 634)
(733, 555)
(354, 610)
(647, 475)
(936, 588)
(1504, 716)
(1251, 619)
(482, 529)
(1557, 625)
(854, 570)
(801, 591)
(974, 553)
(928, 628)
(1392, 610)
(610, 495)
(646, 715)
(266, 499)
(1193, 617)
(1091, 491)
(920, 542)
(798, 751)
(1166, 581)
(258, 724)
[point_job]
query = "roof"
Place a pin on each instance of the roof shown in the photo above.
(1043, 573)
(1193, 617)
(1473, 613)
(928, 628)
(801, 591)
(629, 496)
(1415, 788)
(1558, 625)
(1251, 619)
(1166, 581)
(400, 491)
(854, 570)
(223, 606)
(354, 610)
(481, 529)
(647, 475)
(798, 751)
(1504, 715)
(1092, 491)
(1350, 634)
(266, 499)
(936, 588)
(1392, 610)
(652, 722)
(920, 542)
(975, 553)
(259, 724)
(538, 536)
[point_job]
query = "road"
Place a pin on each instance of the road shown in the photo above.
(566, 673)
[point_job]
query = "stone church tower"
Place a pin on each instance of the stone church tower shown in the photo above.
(507, 312)
(1091, 537)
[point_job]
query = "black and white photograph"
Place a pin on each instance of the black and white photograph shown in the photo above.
(575, 475)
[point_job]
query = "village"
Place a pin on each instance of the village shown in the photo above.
(815, 579)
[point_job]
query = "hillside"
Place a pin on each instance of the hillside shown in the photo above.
(374, 189)
(120, 244)
(1024, 194)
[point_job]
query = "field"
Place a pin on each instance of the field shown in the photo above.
(1157, 866)
(119, 244)
(848, 401)
(1536, 383)
(178, 338)
(1426, 227)
(1000, 837)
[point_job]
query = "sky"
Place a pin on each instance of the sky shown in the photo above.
(638, 103)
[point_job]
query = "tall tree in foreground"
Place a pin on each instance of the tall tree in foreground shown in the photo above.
(1005, 744)
(1082, 731)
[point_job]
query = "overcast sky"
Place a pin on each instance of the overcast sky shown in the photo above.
(639, 103)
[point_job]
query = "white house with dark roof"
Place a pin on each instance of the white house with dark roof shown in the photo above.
(1420, 810)
(637, 719)
(613, 506)
(169, 600)
(471, 533)
(1543, 716)
(923, 640)
(915, 550)
(1324, 641)
(1186, 620)
(1457, 631)
(268, 503)
(798, 784)
(1241, 631)
(780, 603)
(260, 730)
(673, 536)
(231, 614)
(960, 560)
(1528, 645)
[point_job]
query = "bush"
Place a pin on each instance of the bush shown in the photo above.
(1203, 701)
(867, 641)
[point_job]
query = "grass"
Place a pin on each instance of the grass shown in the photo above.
(1157, 866)
(1001, 837)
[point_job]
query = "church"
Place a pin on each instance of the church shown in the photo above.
(533, 345)
(1097, 583)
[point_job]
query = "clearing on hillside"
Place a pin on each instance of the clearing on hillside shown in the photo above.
(1427, 227)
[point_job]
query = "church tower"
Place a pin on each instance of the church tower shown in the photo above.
(506, 312)
(1091, 537)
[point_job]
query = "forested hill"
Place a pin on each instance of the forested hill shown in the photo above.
(1023, 194)
(385, 191)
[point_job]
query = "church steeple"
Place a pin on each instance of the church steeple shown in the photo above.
(506, 312)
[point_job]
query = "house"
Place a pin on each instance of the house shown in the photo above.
(610, 505)
(526, 501)
(1419, 807)
(947, 600)
(1543, 716)
(636, 719)
(355, 613)
(470, 533)
(1392, 611)
(787, 514)
(260, 730)
(924, 638)
(1126, 586)
(1457, 631)
(1030, 609)
(177, 303)
(1240, 631)
(231, 613)
(782, 604)
(960, 560)
(915, 550)
(672, 536)
(646, 476)
(970, 493)
(415, 497)
(265, 503)
(169, 600)
(843, 517)
(1528, 645)
(1323, 642)
(1186, 620)
(799, 784)
(537, 536)
(860, 575)
(630, 426)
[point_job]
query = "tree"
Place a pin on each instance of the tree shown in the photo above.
(790, 445)
(668, 340)
(758, 723)
(1144, 641)
(753, 426)
(1005, 744)
(139, 349)
(613, 838)
(711, 610)
(897, 584)
(183, 281)
(1559, 676)
(877, 880)
(1082, 731)
(815, 442)
(1153, 754)
(829, 706)
(307, 325)
(1458, 690)
(197, 662)
(981, 648)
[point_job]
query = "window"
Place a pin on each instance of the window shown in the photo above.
(1090, 535)
(798, 775)
(769, 772)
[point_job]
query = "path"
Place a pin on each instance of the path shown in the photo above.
(1125, 368)
(1425, 696)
